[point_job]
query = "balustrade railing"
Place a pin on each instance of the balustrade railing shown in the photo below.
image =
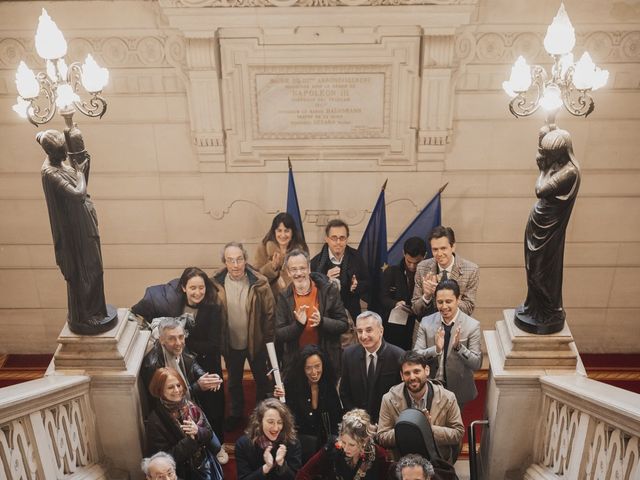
(47, 430)
(589, 430)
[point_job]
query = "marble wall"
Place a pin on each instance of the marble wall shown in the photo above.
(207, 98)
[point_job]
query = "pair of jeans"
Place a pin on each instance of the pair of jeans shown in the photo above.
(234, 360)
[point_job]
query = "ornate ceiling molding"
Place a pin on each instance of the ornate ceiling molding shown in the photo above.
(305, 3)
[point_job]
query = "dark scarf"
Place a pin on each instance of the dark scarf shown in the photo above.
(183, 410)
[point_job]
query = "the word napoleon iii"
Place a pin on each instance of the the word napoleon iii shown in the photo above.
(74, 227)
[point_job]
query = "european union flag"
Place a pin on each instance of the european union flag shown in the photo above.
(429, 218)
(373, 248)
(293, 208)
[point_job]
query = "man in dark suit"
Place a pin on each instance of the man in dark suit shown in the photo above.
(397, 286)
(370, 368)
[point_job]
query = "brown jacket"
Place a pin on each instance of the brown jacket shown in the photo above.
(446, 421)
(278, 277)
(260, 311)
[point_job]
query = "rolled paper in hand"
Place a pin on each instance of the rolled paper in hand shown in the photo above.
(273, 358)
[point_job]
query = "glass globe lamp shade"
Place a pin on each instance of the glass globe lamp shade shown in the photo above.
(26, 82)
(552, 98)
(65, 96)
(561, 36)
(50, 43)
(94, 77)
(587, 76)
(21, 107)
(520, 79)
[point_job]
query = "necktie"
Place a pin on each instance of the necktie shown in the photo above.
(371, 373)
(447, 339)
(444, 276)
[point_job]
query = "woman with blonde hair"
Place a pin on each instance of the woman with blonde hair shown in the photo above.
(283, 237)
(270, 448)
(352, 456)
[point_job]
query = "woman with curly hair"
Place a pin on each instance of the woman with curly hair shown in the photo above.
(310, 389)
(269, 448)
(282, 237)
(178, 426)
(353, 456)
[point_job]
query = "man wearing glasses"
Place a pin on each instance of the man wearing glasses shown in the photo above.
(344, 266)
(309, 311)
(247, 310)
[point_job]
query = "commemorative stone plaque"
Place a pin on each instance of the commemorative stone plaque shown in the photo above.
(317, 105)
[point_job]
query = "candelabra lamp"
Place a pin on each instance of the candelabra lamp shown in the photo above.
(56, 89)
(570, 85)
(65, 172)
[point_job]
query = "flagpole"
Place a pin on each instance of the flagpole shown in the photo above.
(439, 191)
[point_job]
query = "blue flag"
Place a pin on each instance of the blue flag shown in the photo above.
(429, 218)
(293, 208)
(373, 248)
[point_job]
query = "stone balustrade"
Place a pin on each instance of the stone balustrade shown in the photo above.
(588, 430)
(47, 430)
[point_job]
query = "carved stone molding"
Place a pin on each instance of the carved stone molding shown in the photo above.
(488, 47)
(131, 61)
(304, 3)
(112, 51)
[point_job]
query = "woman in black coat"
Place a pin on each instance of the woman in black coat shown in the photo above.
(178, 426)
(193, 293)
(310, 389)
(269, 449)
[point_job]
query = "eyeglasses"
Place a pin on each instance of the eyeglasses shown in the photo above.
(298, 269)
(336, 239)
(234, 261)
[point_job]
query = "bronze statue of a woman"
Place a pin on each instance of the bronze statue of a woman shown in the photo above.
(556, 188)
(74, 226)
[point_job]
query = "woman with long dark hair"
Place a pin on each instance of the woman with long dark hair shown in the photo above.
(282, 237)
(352, 456)
(194, 293)
(310, 389)
(270, 448)
(178, 426)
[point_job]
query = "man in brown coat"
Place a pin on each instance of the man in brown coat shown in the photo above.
(248, 313)
(415, 391)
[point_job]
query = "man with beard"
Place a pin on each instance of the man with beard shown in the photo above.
(309, 311)
(417, 391)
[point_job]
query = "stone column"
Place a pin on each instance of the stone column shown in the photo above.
(112, 360)
(205, 104)
(435, 127)
(513, 405)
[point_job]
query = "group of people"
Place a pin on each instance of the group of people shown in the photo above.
(347, 374)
